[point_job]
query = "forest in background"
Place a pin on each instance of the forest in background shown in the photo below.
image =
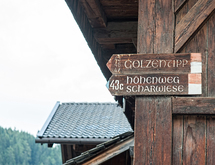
(19, 148)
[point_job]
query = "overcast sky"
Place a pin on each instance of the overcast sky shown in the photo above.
(44, 58)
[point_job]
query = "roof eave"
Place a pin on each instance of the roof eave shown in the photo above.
(85, 141)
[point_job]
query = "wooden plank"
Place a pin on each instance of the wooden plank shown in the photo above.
(112, 152)
(155, 84)
(164, 26)
(177, 140)
(191, 21)
(94, 12)
(211, 56)
(155, 63)
(146, 27)
(181, 12)
(112, 41)
(69, 152)
(63, 153)
(153, 125)
(199, 43)
(210, 140)
(179, 4)
(120, 9)
(191, 3)
(116, 32)
(108, 3)
(194, 144)
(153, 130)
(108, 46)
(193, 105)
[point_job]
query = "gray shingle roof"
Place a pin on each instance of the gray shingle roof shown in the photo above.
(85, 120)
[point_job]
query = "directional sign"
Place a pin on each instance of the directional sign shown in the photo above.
(155, 63)
(155, 84)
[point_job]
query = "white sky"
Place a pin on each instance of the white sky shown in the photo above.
(44, 58)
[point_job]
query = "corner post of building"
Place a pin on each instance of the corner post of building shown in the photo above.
(153, 114)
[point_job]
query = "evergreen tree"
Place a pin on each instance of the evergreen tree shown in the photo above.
(19, 148)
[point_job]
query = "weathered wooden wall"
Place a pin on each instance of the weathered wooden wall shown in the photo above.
(194, 133)
(191, 119)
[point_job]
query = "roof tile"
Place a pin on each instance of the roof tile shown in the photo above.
(87, 120)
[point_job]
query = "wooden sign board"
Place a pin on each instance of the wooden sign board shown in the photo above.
(155, 63)
(155, 84)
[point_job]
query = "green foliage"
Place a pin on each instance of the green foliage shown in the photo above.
(19, 148)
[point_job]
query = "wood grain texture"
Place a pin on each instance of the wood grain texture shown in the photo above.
(199, 44)
(193, 105)
(177, 140)
(179, 4)
(191, 21)
(182, 7)
(194, 140)
(156, 29)
(116, 32)
(146, 27)
(211, 56)
(154, 63)
(153, 125)
(164, 23)
(210, 140)
(110, 153)
(155, 84)
(153, 130)
(181, 11)
(95, 14)
(119, 9)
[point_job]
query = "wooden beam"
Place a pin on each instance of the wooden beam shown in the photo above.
(119, 49)
(211, 57)
(86, 28)
(94, 12)
(177, 137)
(111, 153)
(210, 139)
(63, 153)
(193, 105)
(179, 4)
(120, 9)
(134, 40)
(153, 130)
(116, 33)
(108, 46)
(194, 140)
(191, 21)
(153, 115)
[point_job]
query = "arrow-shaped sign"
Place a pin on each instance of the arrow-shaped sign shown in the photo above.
(155, 84)
(155, 63)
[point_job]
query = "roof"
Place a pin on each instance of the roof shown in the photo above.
(104, 151)
(109, 27)
(83, 123)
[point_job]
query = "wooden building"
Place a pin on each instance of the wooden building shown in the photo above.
(168, 129)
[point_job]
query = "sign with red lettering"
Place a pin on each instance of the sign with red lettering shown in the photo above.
(155, 84)
(155, 63)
